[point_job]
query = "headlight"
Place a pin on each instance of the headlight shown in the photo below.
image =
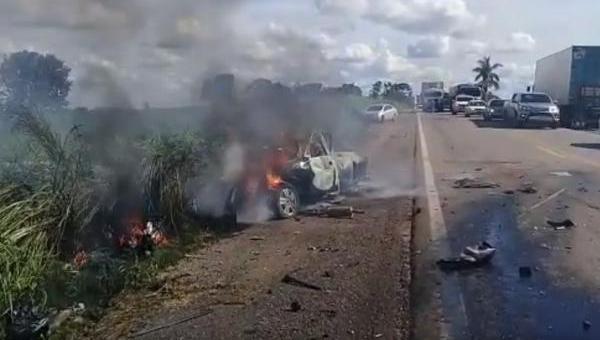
(304, 165)
(525, 108)
(553, 109)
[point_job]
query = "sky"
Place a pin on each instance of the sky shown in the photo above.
(131, 52)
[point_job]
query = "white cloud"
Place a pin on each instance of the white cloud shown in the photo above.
(414, 16)
(429, 47)
(517, 42)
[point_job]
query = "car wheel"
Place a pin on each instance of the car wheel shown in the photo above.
(467, 115)
(381, 119)
(554, 125)
(287, 201)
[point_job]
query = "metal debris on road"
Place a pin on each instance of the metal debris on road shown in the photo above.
(525, 271)
(290, 280)
(473, 183)
(586, 325)
(295, 306)
(257, 238)
(560, 225)
(527, 188)
(328, 210)
(471, 257)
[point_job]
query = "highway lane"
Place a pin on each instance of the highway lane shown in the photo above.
(495, 302)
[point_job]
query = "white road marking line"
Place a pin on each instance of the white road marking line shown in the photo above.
(551, 152)
(548, 199)
(439, 231)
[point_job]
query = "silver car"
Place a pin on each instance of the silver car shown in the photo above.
(532, 107)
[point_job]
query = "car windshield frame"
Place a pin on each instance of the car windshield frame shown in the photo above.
(463, 99)
(476, 103)
(375, 108)
(535, 98)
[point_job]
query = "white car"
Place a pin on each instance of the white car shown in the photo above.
(381, 112)
(475, 107)
(460, 103)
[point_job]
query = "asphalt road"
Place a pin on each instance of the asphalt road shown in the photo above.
(560, 300)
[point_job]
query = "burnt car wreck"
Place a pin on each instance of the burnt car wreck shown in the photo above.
(295, 173)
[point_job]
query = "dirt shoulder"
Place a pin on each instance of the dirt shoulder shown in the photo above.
(361, 267)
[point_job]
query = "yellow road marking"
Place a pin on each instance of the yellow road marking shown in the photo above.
(551, 152)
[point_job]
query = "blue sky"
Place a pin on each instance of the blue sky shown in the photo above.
(157, 51)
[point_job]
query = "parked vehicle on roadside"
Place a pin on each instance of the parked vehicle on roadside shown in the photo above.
(495, 109)
(460, 103)
(381, 113)
(475, 107)
(531, 107)
(572, 78)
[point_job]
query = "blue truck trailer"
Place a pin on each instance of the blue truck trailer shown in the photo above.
(572, 78)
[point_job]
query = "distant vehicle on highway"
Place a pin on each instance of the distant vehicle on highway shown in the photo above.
(460, 103)
(433, 100)
(495, 109)
(381, 113)
(462, 91)
(475, 107)
(531, 107)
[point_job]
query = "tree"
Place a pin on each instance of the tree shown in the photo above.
(486, 76)
(34, 81)
(376, 90)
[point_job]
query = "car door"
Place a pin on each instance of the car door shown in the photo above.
(321, 163)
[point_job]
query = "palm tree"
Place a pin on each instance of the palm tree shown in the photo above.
(486, 76)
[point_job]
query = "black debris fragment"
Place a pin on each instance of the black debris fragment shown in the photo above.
(527, 188)
(26, 322)
(525, 272)
(295, 306)
(586, 325)
(290, 280)
(559, 225)
(471, 257)
(473, 183)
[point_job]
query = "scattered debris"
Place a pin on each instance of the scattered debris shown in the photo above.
(330, 313)
(473, 183)
(327, 274)
(560, 225)
(586, 325)
(171, 324)
(525, 271)
(547, 199)
(527, 188)
(257, 238)
(471, 257)
(327, 210)
(478, 169)
(290, 280)
(26, 322)
(60, 318)
(561, 173)
(582, 189)
(295, 306)
(508, 192)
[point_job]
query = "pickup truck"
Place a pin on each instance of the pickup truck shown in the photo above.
(531, 107)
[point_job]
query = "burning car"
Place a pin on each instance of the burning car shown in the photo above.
(296, 172)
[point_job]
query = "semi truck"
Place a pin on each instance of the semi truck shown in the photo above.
(571, 78)
(431, 89)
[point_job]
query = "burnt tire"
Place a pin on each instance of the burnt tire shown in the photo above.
(286, 201)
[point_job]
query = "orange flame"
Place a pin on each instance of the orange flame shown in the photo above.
(134, 236)
(274, 181)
